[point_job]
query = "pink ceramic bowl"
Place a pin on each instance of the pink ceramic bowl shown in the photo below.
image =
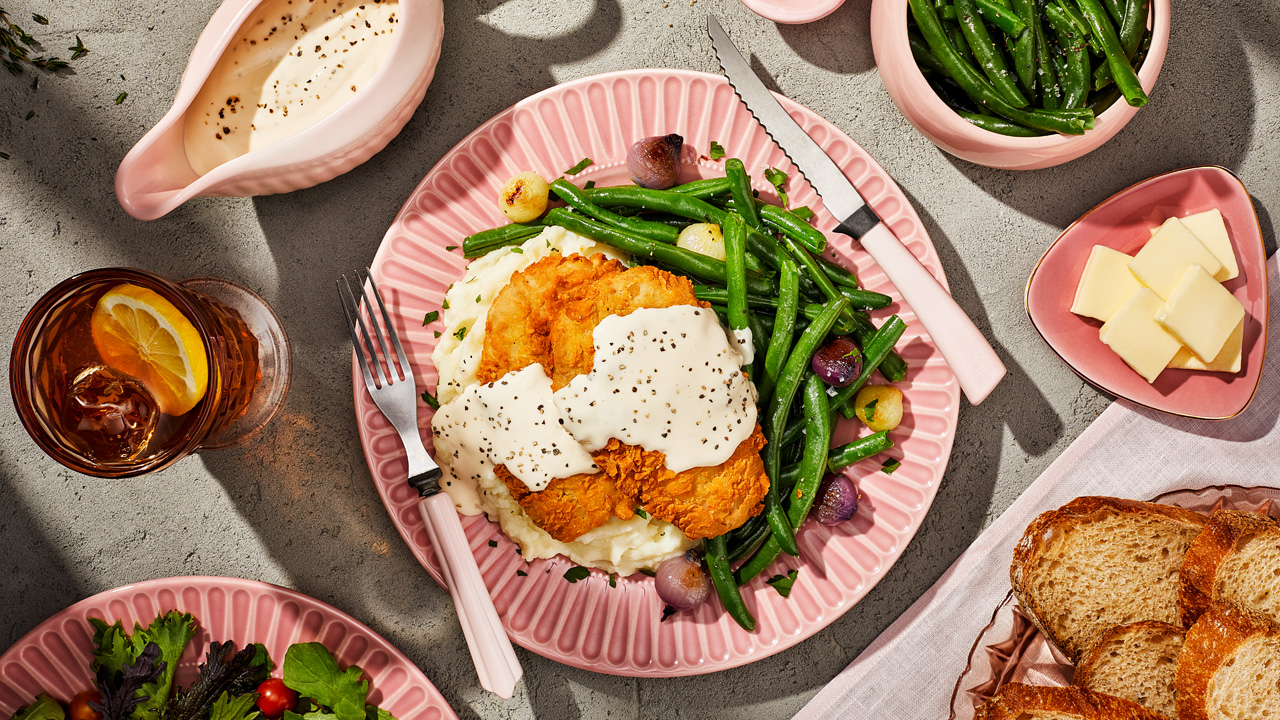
(793, 12)
(155, 177)
(924, 109)
(1123, 222)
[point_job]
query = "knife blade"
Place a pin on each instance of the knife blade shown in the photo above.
(972, 359)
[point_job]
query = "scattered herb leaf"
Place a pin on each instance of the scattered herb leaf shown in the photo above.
(35, 82)
(445, 305)
(479, 296)
(78, 49)
(450, 248)
(431, 317)
(583, 164)
(667, 611)
(4, 155)
(869, 410)
(716, 152)
(30, 114)
(430, 400)
(648, 572)
(522, 573)
(613, 580)
(783, 583)
(518, 250)
(778, 179)
(460, 333)
(576, 573)
(493, 543)
(804, 212)
(642, 513)
(888, 466)
(40, 19)
(120, 98)
(437, 332)
(590, 184)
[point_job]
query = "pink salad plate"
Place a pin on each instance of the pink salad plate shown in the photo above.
(54, 657)
(1123, 221)
(594, 623)
(793, 12)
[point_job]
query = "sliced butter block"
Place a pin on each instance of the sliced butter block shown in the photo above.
(1134, 335)
(1105, 283)
(1201, 313)
(1228, 359)
(1212, 231)
(1162, 262)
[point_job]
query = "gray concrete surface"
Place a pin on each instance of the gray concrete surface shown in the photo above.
(297, 507)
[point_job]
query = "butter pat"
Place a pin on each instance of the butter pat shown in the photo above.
(1210, 230)
(1228, 359)
(1105, 283)
(1137, 338)
(1201, 313)
(1162, 262)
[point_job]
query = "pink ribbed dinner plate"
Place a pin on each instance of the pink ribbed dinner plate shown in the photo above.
(54, 657)
(616, 628)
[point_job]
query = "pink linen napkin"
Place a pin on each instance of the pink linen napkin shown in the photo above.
(910, 671)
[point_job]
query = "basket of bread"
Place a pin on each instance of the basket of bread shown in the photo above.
(1130, 610)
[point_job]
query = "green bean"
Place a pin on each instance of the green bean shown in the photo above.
(1075, 75)
(817, 443)
(705, 188)
(744, 540)
(675, 221)
(893, 367)
(721, 572)
(691, 262)
(780, 405)
(843, 326)
(1116, 9)
(1102, 76)
(1082, 27)
(759, 341)
(972, 81)
(956, 36)
(1122, 72)
(989, 57)
(873, 354)
(1134, 25)
(838, 274)
(999, 125)
(1024, 47)
(572, 195)
(735, 251)
(784, 324)
(924, 57)
(1001, 16)
(1050, 92)
(740, 188)
(859, 449)
(788, 223)
(485, 241)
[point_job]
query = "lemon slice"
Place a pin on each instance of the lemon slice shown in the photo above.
(140, 333)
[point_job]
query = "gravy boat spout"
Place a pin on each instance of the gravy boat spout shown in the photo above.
(158, 174)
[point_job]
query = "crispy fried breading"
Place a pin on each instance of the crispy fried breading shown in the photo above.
(546, 315)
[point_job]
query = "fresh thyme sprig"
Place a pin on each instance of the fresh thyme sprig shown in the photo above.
(17, 45)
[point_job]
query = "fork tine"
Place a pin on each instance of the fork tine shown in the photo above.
(392, 376)
(351, 327)
(405, 369)
(373, 355)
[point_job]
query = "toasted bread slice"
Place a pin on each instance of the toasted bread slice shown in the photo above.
(1229, 667)
(1136, 662)
(1016, 701)
(1237, 560)
(1098, 562)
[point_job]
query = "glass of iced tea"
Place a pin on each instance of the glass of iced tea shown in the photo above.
(118, 372)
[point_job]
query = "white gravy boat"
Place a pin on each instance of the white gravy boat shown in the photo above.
(156, 177)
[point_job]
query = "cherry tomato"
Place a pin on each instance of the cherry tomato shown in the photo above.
(274, 698)
(80, 709)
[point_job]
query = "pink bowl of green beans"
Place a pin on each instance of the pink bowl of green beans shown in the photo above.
(1019, 84)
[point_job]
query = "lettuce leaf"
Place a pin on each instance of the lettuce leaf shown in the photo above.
(170, 632)
(44, 708)
(121, 689)
(224, 671)
(310, 670)
(238, 707)
(112, 647)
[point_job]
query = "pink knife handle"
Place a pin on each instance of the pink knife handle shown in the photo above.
(491, 650)
(972, 360)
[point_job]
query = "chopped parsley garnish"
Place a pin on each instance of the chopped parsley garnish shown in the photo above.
(576, 573)
(518, 250)
(4, 155)
(613, 580)
(888, 466)
(479, 296)
(870, 409)
(461, 332)
(778, 179)
(450, 248)
(522, 573)
(642, 513)
(590, 184)
(445, 305)
(120, 98)
(716, 152)
(804, 212)
(783, 583)
(437, 332)
(493, 543)
(40, 19)
(431, 317)
(430, 400)
(647, 571)
(583, 164)
(30, 115)
(667, 611)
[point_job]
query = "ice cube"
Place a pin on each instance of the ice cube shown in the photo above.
(112, 413)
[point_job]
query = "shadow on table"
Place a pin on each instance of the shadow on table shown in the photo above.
(840, 42)
(1201, 113)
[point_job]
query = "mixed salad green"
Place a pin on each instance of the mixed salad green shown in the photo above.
(134, 680)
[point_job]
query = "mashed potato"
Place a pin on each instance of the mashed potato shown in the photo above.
(621, 546)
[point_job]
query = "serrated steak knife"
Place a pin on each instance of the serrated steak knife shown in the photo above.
(974, 362)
